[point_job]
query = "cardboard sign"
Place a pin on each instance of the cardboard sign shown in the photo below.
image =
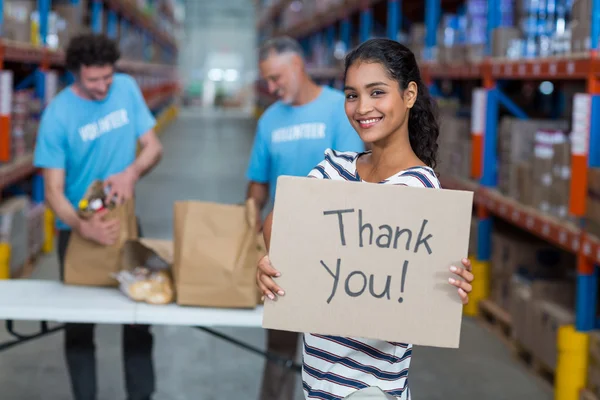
(367, 260)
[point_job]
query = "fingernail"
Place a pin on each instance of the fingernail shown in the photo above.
(271, 296)
(278, 274)
(465, 260)
(281, 293)
(453, 268)
(451, 280)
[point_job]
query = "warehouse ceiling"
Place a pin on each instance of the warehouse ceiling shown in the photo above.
(219, 12)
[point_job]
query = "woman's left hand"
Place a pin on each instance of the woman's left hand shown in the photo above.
(464, 284)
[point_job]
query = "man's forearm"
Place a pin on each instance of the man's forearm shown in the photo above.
(147, 159)
(63, 209)
(259, 192)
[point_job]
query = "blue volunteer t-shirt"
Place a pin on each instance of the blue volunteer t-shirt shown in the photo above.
(89, 139)
(291, 140)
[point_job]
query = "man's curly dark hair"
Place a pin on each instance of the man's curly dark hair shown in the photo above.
(91, 50)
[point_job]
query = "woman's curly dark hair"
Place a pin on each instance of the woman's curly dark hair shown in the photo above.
(400, 62)
(91, 50)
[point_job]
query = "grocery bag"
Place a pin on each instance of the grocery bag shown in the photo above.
(216, 252)
(145, 273)
(89, 263)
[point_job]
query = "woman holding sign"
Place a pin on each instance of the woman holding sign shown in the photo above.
(390, 108)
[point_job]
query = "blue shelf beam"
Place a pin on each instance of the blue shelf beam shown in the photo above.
(510, 105)
(345, 35)
(585, 308)
(112, 24)
(366, 23)
(432, 16)
(97, 16)
(394, 18)
(595, 29)
(489, 176)
(44, 12)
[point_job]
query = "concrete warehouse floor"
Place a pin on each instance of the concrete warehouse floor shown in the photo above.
(205, 159)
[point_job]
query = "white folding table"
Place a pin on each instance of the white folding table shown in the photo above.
(44, 301)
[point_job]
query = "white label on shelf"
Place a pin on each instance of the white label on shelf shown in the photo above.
(546, 230)
(570, 67)
(478, 111)
(522, 69)
(536, 69)
(581, 124)
(508, 69)
(6, 92)
(587, 249)
(530, 222)
(51, 85)
(496, 70)
(553, 69)
(562, 237)
(575, 244)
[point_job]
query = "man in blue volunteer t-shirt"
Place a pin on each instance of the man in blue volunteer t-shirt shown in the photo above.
(291, 138)
(90, 132)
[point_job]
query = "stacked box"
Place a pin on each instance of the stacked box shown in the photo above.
(548, 316)
(538, 309)
(13, 230)
(561, 176)
(71, 19)
(416, 40)
(516, 144)
(36, 228)
(521, 254)
(542, 170)
(581, 25)
(473, 235)
(592, 210)
(19, 119)
(502, 39)
(17, 19)
(593, 377)
(455, 146)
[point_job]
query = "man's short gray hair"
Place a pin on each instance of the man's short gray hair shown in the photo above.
(279, 45)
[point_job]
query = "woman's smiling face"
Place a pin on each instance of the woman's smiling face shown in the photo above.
(375, 105)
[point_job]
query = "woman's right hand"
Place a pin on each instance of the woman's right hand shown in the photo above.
(264, 278)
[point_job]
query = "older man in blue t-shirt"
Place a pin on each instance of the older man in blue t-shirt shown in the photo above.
(90, 132)
(291, 138)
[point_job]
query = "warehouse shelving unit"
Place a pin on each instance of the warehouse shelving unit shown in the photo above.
(155, 70)
(337, 23)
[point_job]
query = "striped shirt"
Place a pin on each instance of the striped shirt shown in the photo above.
(335, 367)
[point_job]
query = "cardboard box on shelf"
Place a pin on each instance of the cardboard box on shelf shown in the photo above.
(537, 309)
(521, 311)
(17, 19)
(593, 376)
(548, 318)
(516, 144)
(524, 177)
(473, 235)
(502, 38)
(592, 211)
(542, 170)
(514, 252)
(14, 230)
(561, 176)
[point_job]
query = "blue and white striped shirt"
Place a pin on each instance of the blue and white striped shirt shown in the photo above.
(335, 367)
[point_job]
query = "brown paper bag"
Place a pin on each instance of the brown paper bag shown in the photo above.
(91, 264)
(215, 254)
